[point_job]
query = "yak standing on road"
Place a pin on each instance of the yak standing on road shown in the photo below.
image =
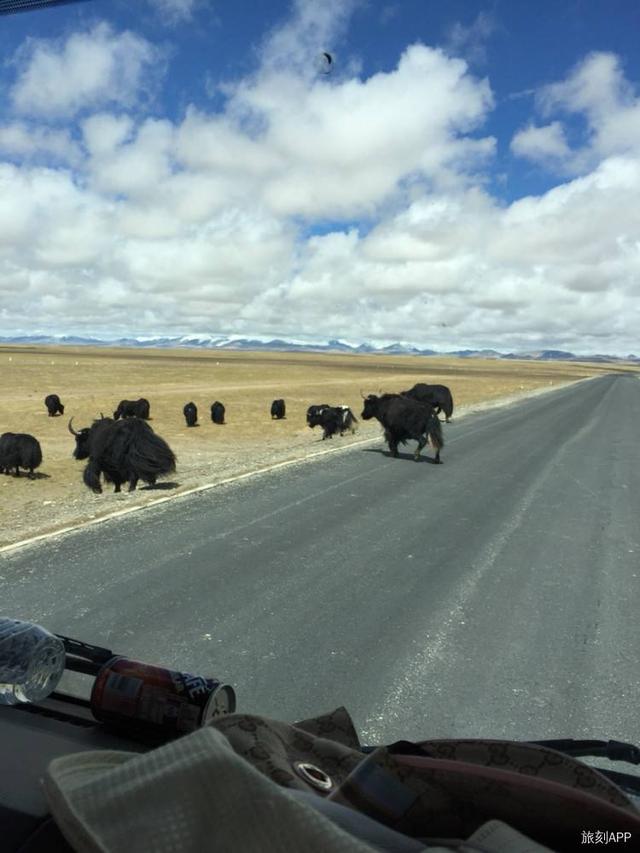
(53, 404)
(132, 409)
(19, 450)
(217, 412)
(439, 396)
(404, 419)
(123, 451)
(190, 413)
(278, 409)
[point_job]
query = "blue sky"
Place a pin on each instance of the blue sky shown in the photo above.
(184, 168)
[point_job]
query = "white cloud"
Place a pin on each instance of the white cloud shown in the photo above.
(22, 140)
(596, 86)
(161, 226)
(597, 90)
(344, 147)
(544, 144)
(132, 167)
(549, 271)
(89, 69)
(312, 28)
(299, 147)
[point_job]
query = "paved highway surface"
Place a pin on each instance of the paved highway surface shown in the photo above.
(495, 595)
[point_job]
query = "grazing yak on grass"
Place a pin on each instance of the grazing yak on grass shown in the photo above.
(19, 450)
(53, 404)
(132, 409)
(278, 409)
(190, 413)
(122, 451)
(404, 419)
(217, 412)
(438, 395)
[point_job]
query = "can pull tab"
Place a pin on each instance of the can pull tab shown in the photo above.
(313, 775)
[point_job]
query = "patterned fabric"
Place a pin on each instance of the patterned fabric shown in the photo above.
(444, 789)
(273, 747)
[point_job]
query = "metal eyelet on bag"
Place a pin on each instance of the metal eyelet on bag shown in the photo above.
(313, 775)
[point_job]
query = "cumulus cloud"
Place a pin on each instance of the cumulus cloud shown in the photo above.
(248, 218)
(344, 147)
(88, 70)
(548, 271)
(28, 142)
(544, 144)
(597, 91)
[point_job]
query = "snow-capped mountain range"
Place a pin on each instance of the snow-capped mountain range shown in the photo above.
(234, 342)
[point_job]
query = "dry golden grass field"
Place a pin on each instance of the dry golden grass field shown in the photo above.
(90, 381)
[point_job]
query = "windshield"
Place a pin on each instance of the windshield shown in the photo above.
(296, 255)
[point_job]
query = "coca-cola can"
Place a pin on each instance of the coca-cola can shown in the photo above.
(128, 692)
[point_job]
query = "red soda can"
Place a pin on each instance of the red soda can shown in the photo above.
(130, 692)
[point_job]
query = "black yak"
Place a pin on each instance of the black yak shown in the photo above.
(190, 413)
(132, 409)
(278, 409)
(122, 451)
(329, 418)
(217, 412)
(332, 419)
(404, 419)
(438, 395)
(19, 450)
(53, 404)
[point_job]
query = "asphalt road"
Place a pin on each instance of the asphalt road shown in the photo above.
(495, 595)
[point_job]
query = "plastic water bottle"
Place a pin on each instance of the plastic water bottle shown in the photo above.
(31, 662)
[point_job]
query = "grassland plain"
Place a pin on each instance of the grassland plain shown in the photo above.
(93, 380)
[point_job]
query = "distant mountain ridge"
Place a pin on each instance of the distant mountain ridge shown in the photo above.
(224, 342)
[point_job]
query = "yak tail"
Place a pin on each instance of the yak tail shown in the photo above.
(149, 455)
(434, 431)
(31, 456)
(447, 406)
(91, 476)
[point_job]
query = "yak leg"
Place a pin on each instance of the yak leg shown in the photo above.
(421, 443)
(17, 470)
(133, 482)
